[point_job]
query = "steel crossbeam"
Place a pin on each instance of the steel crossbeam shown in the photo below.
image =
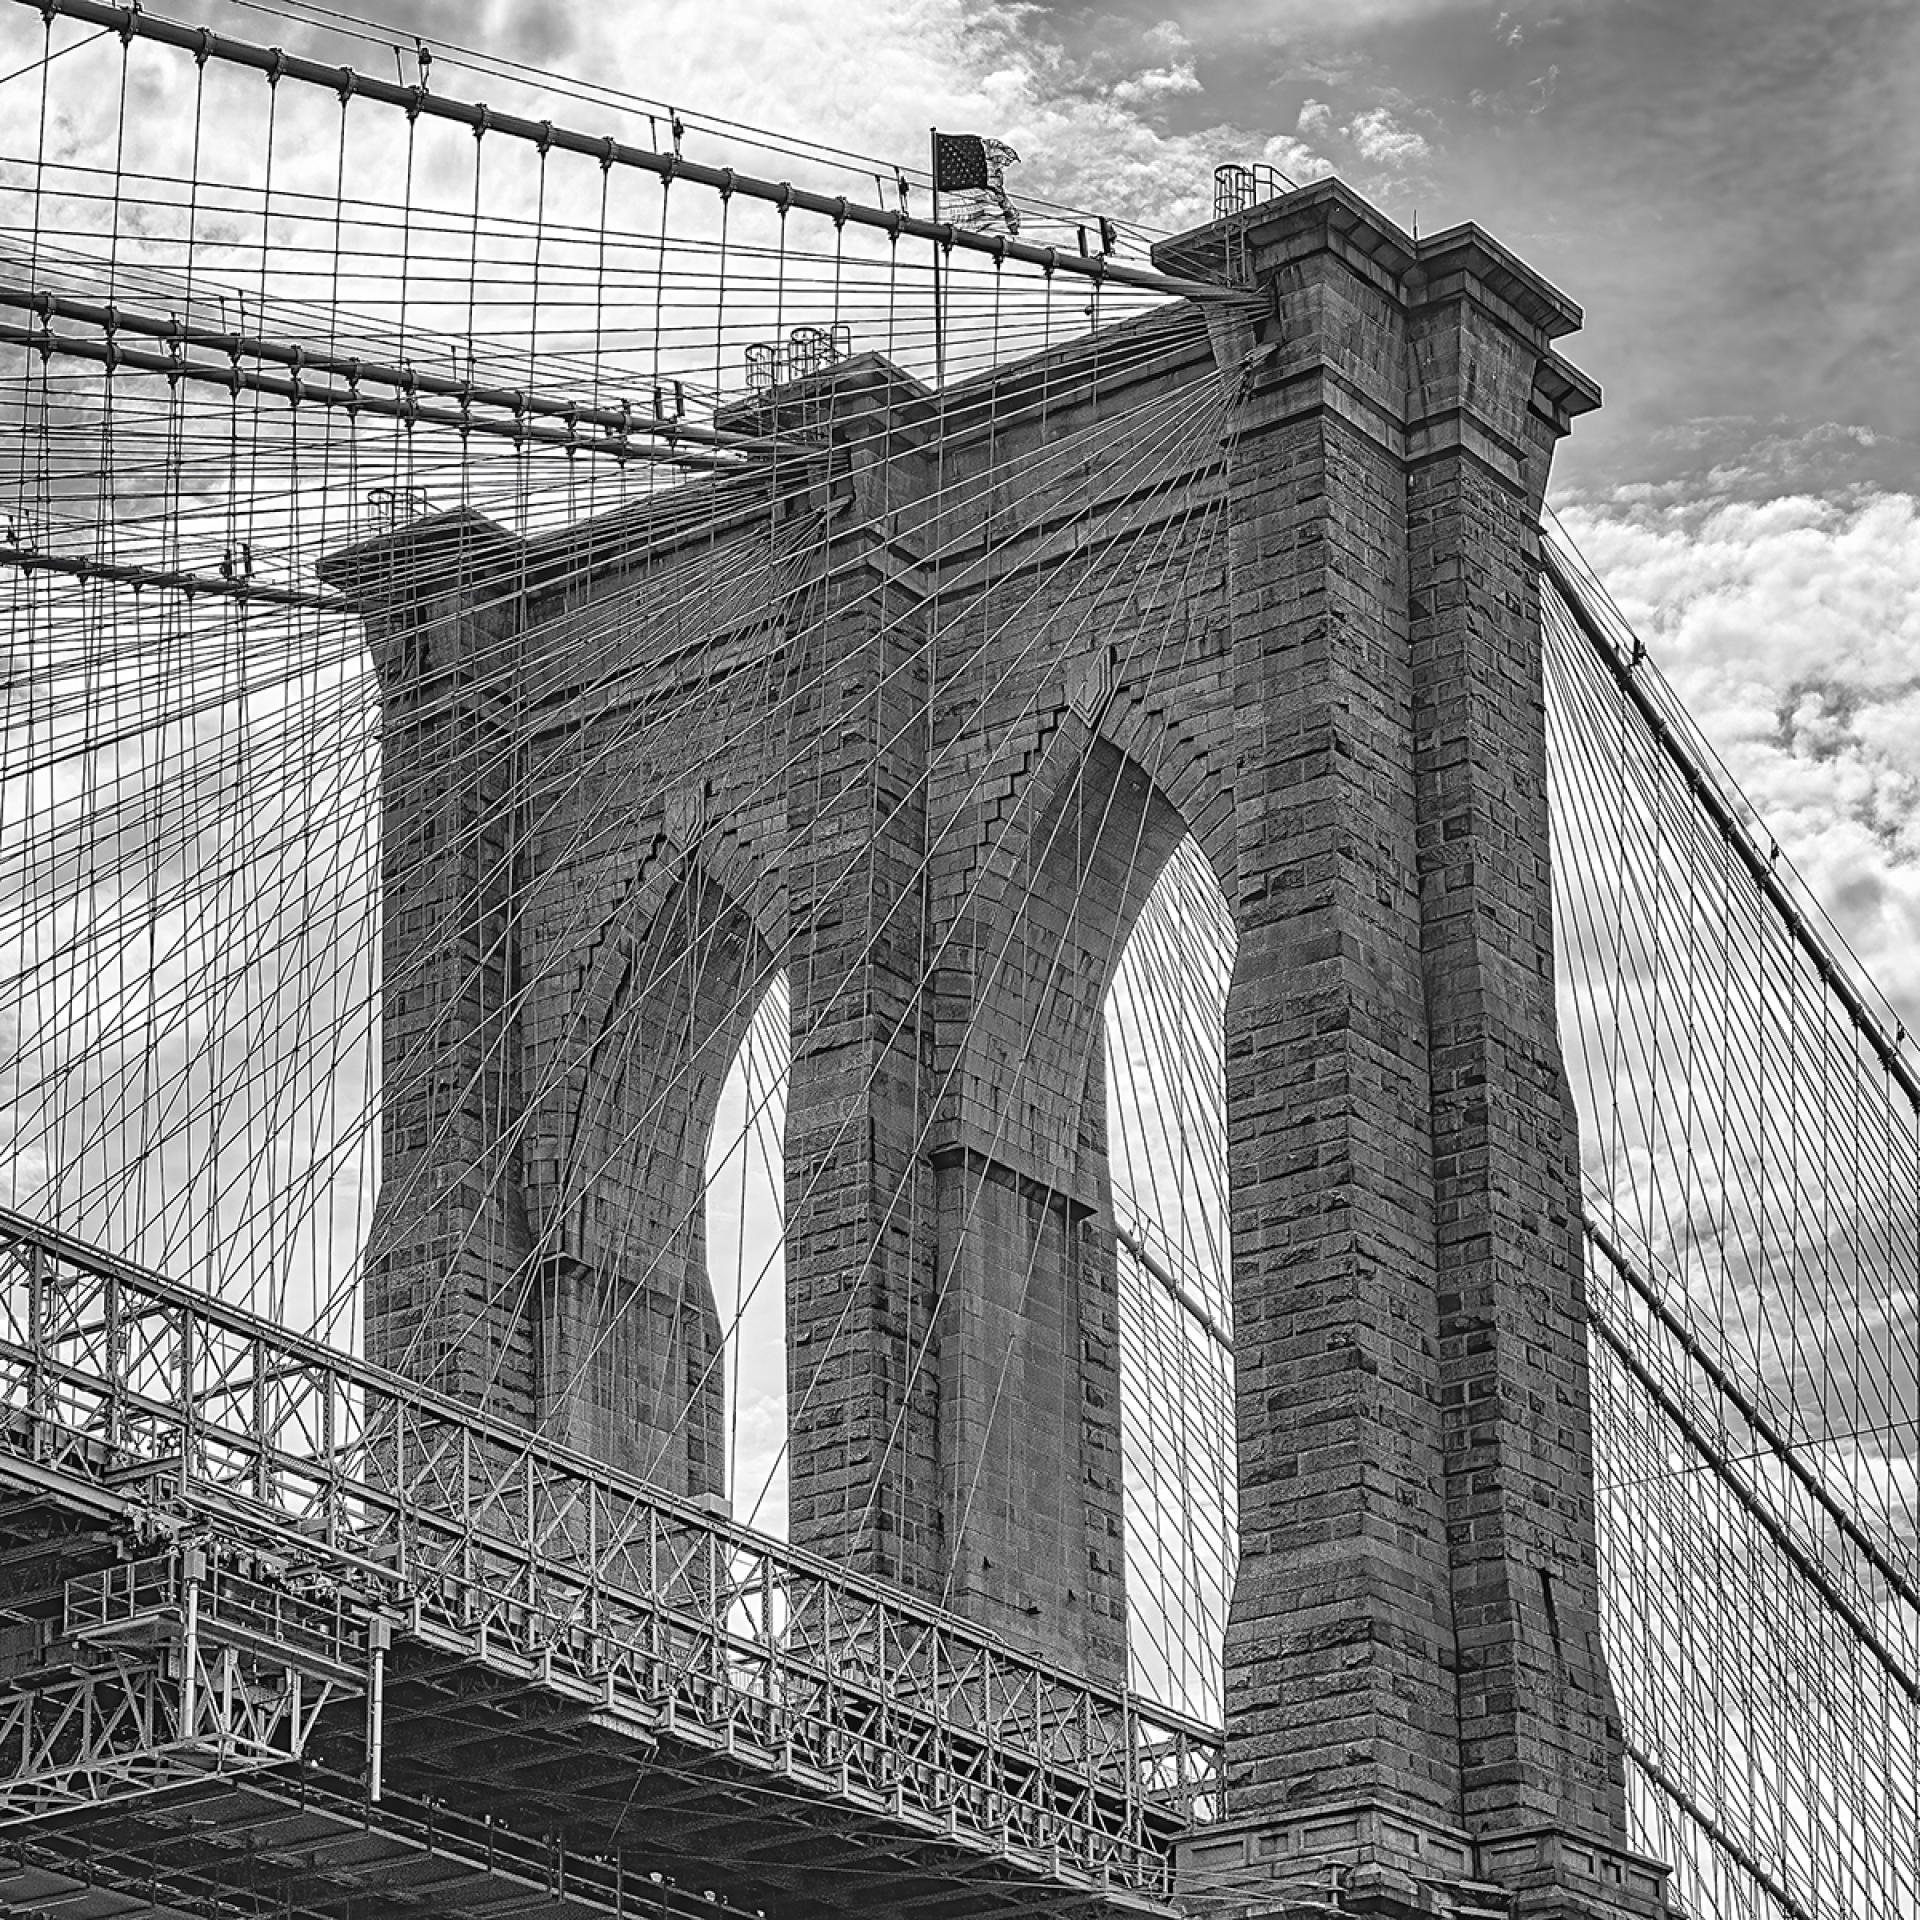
(388, 1504)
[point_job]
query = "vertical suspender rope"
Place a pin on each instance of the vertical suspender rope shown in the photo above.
(939, 288)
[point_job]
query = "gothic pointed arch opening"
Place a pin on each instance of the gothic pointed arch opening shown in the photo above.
(1165, 1040)
(628, 1065)
(1034, 1143)
(745, 1204)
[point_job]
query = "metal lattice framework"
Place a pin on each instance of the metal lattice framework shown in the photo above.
(392, 1504)
(156, 1688)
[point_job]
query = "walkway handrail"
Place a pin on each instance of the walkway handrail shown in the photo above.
(110, 1365)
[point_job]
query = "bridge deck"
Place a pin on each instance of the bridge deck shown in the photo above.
(285, 1623)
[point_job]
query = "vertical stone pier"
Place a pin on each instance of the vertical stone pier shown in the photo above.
(1419, 1713)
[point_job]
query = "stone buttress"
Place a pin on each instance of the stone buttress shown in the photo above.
(914, 711)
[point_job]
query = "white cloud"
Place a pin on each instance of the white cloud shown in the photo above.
(1335, 72)
(1168, 38)
(1315, 117)
(1156, 83)
(1791, 629)
(1295, 159)
(1377, 136)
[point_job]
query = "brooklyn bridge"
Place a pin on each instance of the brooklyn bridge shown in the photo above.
(864, 1057)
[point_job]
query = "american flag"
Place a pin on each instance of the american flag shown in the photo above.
(973, 169)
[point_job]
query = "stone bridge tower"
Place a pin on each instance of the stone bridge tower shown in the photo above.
(875, 720)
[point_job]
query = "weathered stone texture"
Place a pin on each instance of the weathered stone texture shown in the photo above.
(1537, 1732)
(1414, 1628)
(920, 724)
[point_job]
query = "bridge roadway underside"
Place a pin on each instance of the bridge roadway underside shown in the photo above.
(309, 1843)
(505, 1787)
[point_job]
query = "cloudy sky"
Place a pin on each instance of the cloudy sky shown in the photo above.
(1725, 186)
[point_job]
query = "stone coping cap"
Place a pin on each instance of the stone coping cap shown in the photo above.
(463, 535)
(1469, 249)
(1562, 385)
(872, 382)
(1361, 228)
(462, 547)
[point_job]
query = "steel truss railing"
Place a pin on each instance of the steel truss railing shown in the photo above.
(155, 1679)
(455, 1527)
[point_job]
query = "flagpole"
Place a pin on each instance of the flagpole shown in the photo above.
(939, 301)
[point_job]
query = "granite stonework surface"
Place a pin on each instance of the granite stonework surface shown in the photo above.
(918, 720)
